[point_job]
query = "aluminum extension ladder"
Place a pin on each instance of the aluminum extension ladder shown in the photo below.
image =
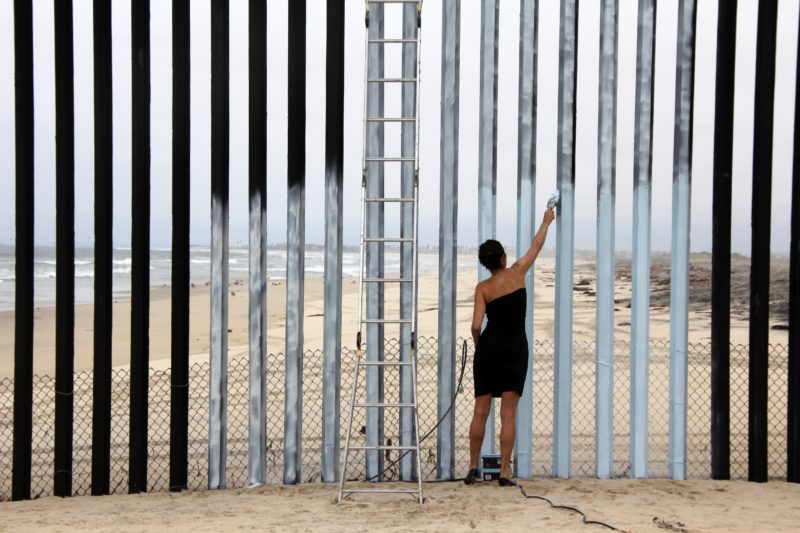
(361, 363)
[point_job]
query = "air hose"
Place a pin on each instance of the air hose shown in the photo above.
(459, 388)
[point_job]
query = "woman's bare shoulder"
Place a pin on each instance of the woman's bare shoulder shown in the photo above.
(480, 288)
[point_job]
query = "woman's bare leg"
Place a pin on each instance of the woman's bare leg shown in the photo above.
(478, 427)
(508, 414)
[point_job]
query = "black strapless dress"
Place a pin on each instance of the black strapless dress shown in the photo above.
(501, 358)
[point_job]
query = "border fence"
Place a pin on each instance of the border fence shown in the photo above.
(675, 405)
(583, 430)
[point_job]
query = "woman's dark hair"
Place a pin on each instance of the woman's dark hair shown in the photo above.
(490, 253)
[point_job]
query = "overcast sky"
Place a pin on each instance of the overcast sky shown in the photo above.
(586, 180)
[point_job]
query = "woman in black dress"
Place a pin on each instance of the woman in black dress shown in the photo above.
(501, 353)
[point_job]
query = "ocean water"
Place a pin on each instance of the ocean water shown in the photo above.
(161, 269)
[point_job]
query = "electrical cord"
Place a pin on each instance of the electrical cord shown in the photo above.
(584, 518)
(430, 432)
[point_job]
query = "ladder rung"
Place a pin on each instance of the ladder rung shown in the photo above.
(385, 491)
(389, 159)
(385, 363)
(391, 119)
(389, 239)
(387, 280)
(392, 80)
(372, 404)
(392, 41)
(388, 200)
(385, 448)
(386, 321)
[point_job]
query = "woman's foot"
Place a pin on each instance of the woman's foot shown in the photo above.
(505, 482)
(472, 475)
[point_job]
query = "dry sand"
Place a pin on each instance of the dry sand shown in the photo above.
(642, 506)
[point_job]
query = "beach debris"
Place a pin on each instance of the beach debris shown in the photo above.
(670, 526)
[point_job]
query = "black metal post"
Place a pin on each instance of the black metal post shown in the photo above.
(793, 425)
(220, 135)
(23, 267)
(295, 238)
(721, 242)
(103, 250)
(65, 247)
(334, 155)
(140, 243)
(760, 216)
(179, 396)
(257, 176)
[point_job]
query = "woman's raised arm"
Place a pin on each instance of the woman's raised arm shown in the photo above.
(525, 262)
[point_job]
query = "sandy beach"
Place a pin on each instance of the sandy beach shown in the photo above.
(641, 505)
(583, 329)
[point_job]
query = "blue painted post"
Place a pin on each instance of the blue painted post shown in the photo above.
(681, 203)
(640, 261)
(374, 229)
(565, 168)
(448, 216)
(526, 215)
(487, 154)
(257, 267)
(295, 243)
(218, 379)
(334, 156)
(409, 172)
(606, 274)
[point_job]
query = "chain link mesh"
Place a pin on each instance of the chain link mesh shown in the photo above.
(583, 417)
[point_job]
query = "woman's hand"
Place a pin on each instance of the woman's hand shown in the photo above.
(549, 216)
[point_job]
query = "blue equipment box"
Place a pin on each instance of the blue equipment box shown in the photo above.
(490, 466)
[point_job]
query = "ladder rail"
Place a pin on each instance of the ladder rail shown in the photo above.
(415, 252)
(349, 428)
(416, 426)
(363, 180)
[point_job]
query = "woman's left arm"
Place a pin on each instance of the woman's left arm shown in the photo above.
(525, 262)
(478, 310)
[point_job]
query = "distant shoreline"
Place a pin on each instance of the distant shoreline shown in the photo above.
(584, 311)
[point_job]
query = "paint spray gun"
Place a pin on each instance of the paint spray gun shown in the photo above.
(553, 200)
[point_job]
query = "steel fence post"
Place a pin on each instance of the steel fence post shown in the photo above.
(565, 176)
(640, 261)
(448, 217)
(606, 199)
(526, 215)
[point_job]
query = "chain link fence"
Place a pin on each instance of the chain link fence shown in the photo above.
(583, 416)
